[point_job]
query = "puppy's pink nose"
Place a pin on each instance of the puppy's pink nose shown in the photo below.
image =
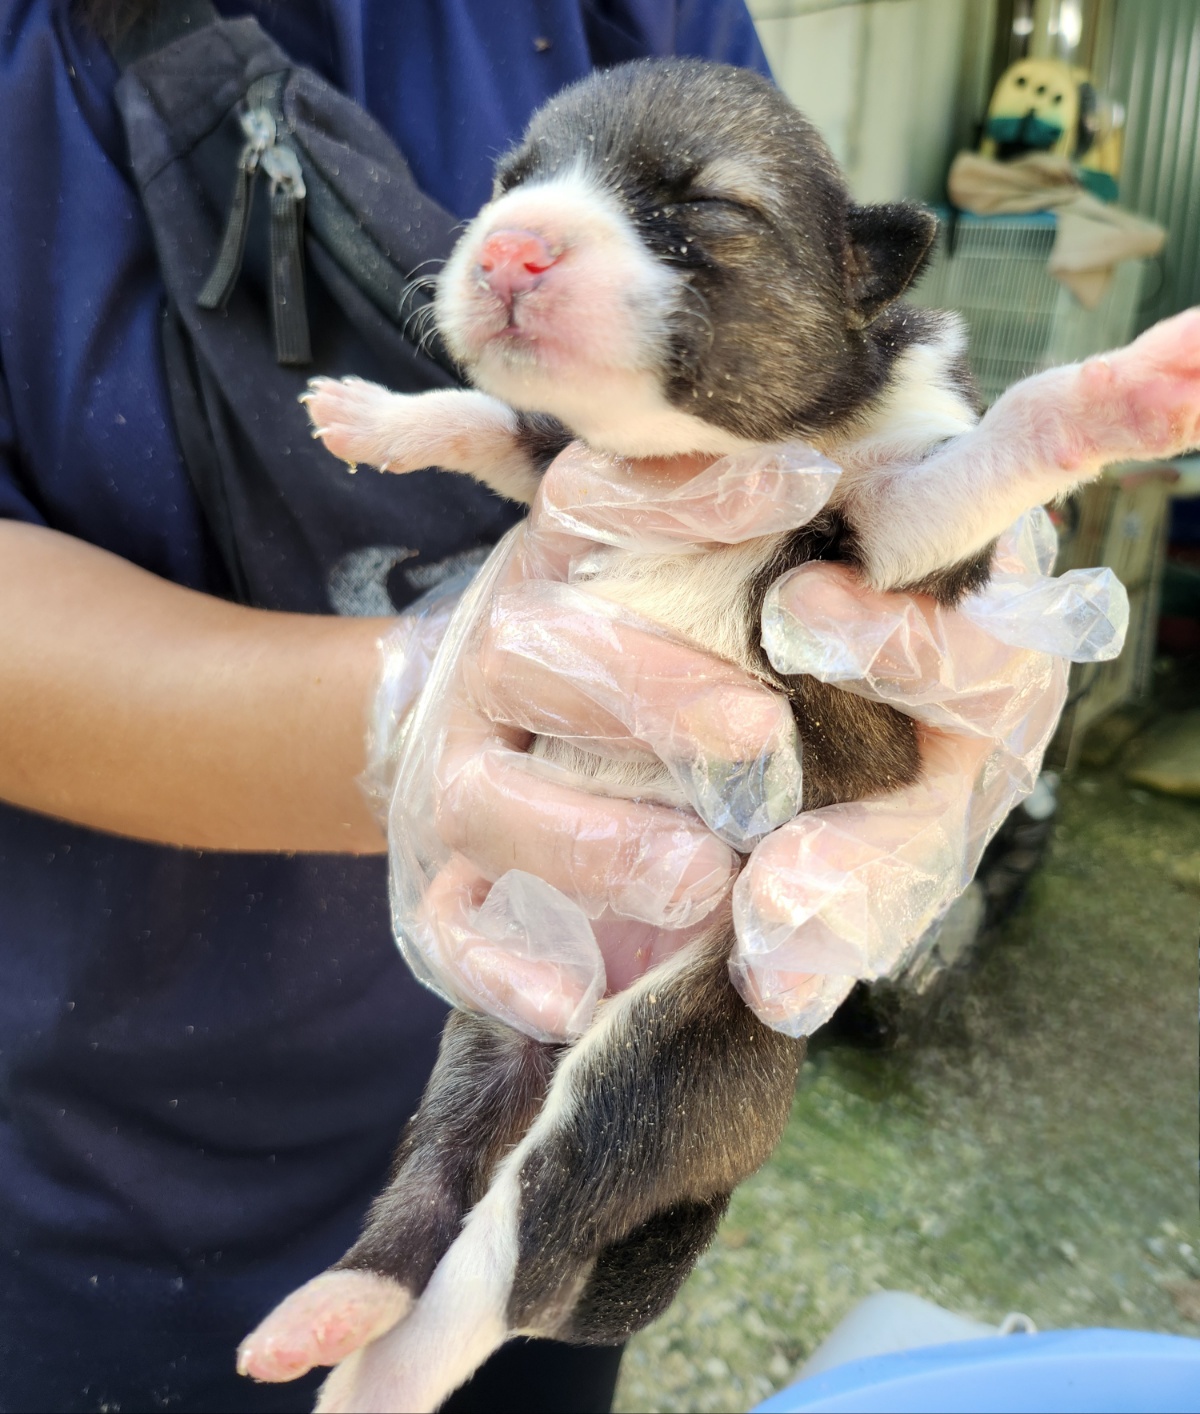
(511, 262)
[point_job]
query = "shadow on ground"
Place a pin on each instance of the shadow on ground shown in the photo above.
(1037, 1152)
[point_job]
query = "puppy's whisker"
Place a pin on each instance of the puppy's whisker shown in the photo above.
(703, 314)
(425, 321)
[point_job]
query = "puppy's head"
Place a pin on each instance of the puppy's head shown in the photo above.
(671, 262)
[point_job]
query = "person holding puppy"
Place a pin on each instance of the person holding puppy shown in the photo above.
(208, 1041)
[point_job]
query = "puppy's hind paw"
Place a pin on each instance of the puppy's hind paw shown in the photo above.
(322, 1323)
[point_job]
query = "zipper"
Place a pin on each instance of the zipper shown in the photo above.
(264, 151)
(289, 313)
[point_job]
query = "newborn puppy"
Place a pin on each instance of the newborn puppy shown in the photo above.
(671, 264)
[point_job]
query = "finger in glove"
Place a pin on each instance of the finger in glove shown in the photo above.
(559, 661)
(506, 810)
(517, 950)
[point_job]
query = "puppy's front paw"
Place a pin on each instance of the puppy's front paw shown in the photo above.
(322, 1323)
(362, 422)
(1152, 387)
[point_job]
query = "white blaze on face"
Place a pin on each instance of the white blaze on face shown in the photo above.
(588, 343)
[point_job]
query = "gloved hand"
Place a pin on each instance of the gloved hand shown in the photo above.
(519, 892)
(841, 894)
(407, 655)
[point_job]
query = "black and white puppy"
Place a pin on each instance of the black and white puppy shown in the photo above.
(671, 264)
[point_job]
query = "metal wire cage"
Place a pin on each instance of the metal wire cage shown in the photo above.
(992, 270)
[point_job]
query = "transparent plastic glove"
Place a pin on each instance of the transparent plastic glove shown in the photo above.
(672, 504)
(955, 669)
(407, 655)
(554, 657)
(594, 887)
(840, 894)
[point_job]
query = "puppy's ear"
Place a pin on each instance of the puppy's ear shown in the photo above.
(888, 246)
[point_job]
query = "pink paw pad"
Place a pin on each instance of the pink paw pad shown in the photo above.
(322, 1323)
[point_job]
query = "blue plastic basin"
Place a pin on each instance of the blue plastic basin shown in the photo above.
(1057, 1372)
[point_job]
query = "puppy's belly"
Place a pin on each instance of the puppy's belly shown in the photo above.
(624, 779)
(710, 598)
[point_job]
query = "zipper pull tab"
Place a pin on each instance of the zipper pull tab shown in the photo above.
(259, 128)
(289, 313)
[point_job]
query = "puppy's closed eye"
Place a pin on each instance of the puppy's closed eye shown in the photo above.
(735, 204)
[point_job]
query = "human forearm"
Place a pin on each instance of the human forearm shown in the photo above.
(132, 705)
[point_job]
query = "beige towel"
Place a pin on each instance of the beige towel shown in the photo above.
(1092, 236)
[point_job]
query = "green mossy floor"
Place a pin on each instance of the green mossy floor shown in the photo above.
(1037, 1154)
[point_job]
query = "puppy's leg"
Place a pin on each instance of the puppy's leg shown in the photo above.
(482, 1096)
(1041, 439)
(680, 1095)
(418, 1364)
(635, 1280)
(457, 430)
(675, 1094)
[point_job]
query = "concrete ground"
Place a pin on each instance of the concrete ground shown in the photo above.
(1036, 1153)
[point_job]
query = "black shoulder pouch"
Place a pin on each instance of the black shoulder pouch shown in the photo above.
(292, 240)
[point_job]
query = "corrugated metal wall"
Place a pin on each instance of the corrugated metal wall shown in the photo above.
(1155, 71)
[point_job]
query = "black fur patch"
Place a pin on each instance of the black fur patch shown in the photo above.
(486, 1088)
(686, 1100)
(541, 438)
(955, 582)
(851, 747)
(635, 1280)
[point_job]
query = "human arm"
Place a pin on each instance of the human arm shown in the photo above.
(132, 705)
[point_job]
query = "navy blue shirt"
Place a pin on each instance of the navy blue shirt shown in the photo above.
(205, 1059)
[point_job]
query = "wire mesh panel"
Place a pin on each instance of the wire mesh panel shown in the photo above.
(992, 270)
